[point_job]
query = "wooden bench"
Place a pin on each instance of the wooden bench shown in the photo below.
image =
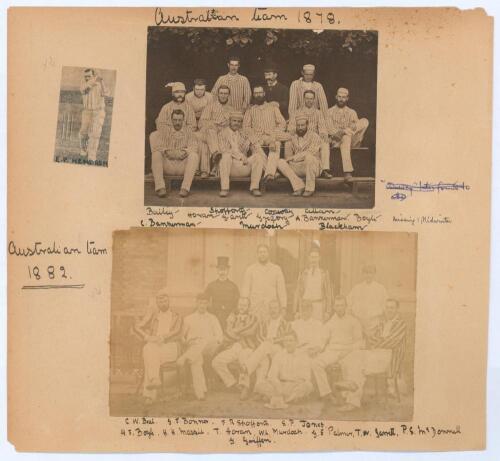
(362, 159)
(357, 182)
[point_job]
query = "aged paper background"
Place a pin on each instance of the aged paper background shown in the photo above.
(429, 60)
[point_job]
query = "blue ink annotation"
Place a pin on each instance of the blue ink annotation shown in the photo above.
(405, 189)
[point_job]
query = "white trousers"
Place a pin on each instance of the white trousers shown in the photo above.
(289, 390)
(308, 168)
(324, 154)
(161, 165)
(155, 355)
(359, 364)
(319, 365)
(194, 356)
(235, 353)
(231, 167)
(259, 360)
(90, 131)
(351, 141)
(273, 142)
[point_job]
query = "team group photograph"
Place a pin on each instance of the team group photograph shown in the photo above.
(312, 324)
(260, 118)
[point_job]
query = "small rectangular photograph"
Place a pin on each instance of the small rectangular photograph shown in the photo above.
(263, 324)
(260, 117)
(84, 118)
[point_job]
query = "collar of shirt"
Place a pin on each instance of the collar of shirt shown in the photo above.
(223, 106)
(271, 85)
(306, 83)
(179, 133)
(386, 326)
(266, 264)
(336, 319)
(315, 270)
(302, 139)
(262, 106)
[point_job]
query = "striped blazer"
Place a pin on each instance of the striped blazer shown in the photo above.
(317, 122)
(341, 118)
(242, 328)
(264, 119)
(309, 144)
(283, 329)
(215, 115)
(297, 89)
(148, 325)
(164, 118)
(395, 339)
(240, 94)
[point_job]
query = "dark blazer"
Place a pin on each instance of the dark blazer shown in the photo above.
(279, 94)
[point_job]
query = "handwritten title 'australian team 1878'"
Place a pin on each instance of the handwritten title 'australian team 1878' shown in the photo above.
(213, 15)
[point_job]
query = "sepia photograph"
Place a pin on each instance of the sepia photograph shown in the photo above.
(84, 117)
(263, 324)
(260, 117)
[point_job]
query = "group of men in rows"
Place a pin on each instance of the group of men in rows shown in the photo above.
(275, 356)
(222, 133)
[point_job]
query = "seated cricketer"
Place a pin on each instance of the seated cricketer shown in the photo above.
(174, 151)
(240, 338)
(240, 157)
(271, 333)
(213, 119)
(309, 330)
(160, 328)
(306, 82)
(387, 348)
(178, 102)
(316, 123)
(343, 334)
(265, 126)
(201, 335)
(199, 98)
(345, 129)
(289, 377)
(305, 160)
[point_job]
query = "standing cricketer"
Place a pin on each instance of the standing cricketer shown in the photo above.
(93, 91)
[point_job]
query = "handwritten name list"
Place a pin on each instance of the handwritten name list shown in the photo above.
(262, 433)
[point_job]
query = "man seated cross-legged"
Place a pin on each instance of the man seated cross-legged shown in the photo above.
(240, 156)
(310, 330)
(174, 151)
